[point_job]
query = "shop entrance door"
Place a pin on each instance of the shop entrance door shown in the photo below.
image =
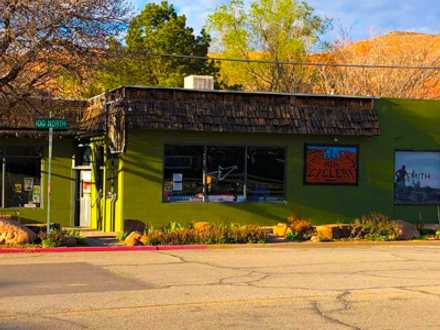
(85, 198)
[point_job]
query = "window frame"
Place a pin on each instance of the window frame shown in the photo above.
(205, 146)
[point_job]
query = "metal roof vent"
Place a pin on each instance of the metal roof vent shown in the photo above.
(205, 83)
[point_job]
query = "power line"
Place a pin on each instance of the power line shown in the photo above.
(294, 63)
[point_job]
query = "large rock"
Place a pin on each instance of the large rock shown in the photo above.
(134, 225)
(133, 239)
(331, 232)
(14, 233)
(406, 231)
(280, 230)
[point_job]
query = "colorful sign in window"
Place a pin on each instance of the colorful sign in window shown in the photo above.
(331, 164)
(417, 177)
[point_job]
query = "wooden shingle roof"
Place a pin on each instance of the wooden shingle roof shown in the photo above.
(200, 111)
(238, 112)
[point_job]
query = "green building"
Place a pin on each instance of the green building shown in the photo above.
(157, 155)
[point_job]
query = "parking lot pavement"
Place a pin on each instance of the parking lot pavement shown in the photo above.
(332, 287)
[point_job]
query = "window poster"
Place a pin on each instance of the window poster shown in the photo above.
(331, 164)
(36, 194)
(28, 184)
(417, 177)
(177, 182)
(18, 188)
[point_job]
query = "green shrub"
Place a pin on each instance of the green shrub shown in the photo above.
(294, 236)
(301, 228)
(375, 227)
(437, 234)
(121, 236)
(57, 238)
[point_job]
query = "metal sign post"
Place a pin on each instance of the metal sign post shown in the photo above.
(51, 124)
(49, 176)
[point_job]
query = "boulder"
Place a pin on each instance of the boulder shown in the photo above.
(406, 231)
(280, 230)
(133, 239)
(331, 232)
(145, 239)
(134, 225)
(14, 233)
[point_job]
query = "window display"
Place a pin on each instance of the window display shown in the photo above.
(266, 174)
(223, 174)
(183, 174)
(21, 178)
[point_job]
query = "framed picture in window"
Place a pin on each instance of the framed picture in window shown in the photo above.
(416, 177)
(331, 164)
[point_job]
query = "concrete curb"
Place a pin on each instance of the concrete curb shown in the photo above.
(102, 249)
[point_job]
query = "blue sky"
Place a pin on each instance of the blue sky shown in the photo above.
(361, 18)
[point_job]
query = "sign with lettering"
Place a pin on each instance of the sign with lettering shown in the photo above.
(417, 177)
(331, 164)
(55, 123)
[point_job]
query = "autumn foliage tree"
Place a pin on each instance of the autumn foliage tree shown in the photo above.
(394, 59)
(42, 40)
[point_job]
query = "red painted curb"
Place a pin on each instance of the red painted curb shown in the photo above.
(103, 249)
(181, 247)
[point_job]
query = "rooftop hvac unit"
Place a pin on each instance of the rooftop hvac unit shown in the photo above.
(205, 83)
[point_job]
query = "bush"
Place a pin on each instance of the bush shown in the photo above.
(208, 234)
(57, 238)
(375, 227)
(121, 236)
(301, 229)
(437, 234)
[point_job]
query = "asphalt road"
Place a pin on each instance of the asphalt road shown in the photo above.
(333, 287)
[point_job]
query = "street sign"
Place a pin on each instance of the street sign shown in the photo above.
(55, 123)
(50, 124)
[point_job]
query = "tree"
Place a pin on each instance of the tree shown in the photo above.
(42, 40)
(158, 29)
(275, 30)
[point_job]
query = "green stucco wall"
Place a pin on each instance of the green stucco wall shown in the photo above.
(62, 184)
(405, 124)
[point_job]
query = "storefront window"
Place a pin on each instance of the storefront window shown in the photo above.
(20, 176)
(183, 174)
(223, 174)
(265, 174)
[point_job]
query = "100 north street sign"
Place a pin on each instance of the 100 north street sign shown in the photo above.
(55, 123)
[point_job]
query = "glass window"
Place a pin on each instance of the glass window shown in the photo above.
(265, 174)
(225, 174)
(183, 174)
(22, 182)
(20, 176)
(83, 156)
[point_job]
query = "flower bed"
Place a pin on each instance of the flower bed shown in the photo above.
(198, 233)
